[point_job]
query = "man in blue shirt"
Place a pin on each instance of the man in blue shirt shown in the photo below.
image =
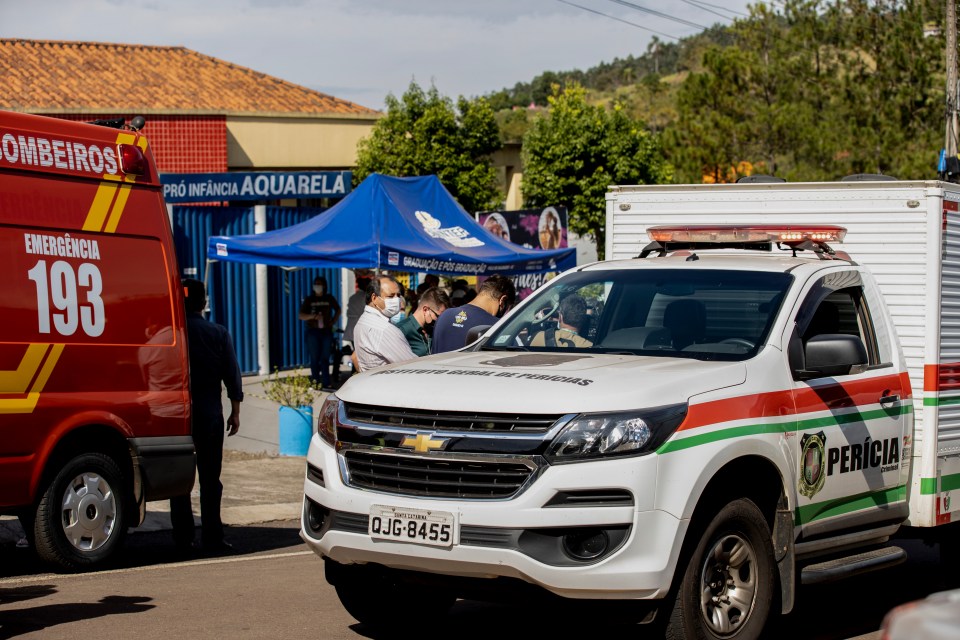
(212, 361)
(496, 295)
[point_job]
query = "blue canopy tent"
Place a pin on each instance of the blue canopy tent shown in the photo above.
(401, 224)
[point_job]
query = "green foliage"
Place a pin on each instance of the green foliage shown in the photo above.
(577, 150)
(815, 91)
(290, 391)
(514, 123)
(803, 89)
(423, 133)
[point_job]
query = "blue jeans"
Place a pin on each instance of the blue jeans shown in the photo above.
(319, 348)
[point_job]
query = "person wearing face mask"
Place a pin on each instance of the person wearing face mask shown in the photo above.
(376, 340)
(496, 295)
(416, 327)
(319, 311)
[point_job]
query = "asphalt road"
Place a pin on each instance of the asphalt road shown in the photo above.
(274, 588)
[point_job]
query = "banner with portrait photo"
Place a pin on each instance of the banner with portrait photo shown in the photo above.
(544, 228)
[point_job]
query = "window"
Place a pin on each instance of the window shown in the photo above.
(828, 310)
(696, 313)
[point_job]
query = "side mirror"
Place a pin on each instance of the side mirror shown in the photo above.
(475, 333)
(831, 354)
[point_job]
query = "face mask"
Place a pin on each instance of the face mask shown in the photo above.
(397, 319)
(318, 289)
(392, 307)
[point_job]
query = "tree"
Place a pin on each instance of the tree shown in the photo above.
(814, 91)
(572, 154)
(423, 133)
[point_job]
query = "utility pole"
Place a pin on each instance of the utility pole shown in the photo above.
(951, 165)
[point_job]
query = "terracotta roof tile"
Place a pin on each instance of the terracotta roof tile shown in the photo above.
(48, 76)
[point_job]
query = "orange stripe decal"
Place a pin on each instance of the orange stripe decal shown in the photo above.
(42, 357)
(100, 206)
(941, 377)
(828, 397)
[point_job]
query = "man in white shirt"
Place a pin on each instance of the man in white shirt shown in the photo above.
(376, 340)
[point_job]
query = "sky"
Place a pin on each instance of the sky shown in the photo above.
(362, 50)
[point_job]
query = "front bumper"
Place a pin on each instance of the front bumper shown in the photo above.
(640, 566)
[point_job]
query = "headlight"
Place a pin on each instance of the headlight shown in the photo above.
(595, 435)
(327, 422)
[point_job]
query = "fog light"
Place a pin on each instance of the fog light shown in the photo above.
(587, 544)
(316, 516)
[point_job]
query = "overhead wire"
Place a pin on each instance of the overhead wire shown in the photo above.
(659, 14)
(632, 24)
(706, 6)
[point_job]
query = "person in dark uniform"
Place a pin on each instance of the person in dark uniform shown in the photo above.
(320, 311)
(212, 361)
(496, 295)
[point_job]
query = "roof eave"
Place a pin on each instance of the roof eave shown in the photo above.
(300, 115)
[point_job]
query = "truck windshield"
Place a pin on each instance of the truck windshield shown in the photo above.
(702, 314)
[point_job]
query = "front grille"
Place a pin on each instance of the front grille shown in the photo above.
(435, 477)
(450, 420)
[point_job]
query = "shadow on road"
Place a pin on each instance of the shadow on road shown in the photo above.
(836, 611)
(28, 620)
(151, 548)
(27, 592)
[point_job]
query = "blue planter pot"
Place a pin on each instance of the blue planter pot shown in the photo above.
(296, 428)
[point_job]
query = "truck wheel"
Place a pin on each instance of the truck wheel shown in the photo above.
(377, 598)
(80, 519)
(728, 585)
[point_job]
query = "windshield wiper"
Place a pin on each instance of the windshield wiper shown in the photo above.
(509, 347)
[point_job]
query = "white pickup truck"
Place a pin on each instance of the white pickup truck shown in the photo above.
(718, 412)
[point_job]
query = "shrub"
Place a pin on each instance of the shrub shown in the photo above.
(290, 391)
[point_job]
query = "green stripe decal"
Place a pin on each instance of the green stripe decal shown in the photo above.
(941, 402)
(848, 504)
(928, 486)
(950, 482)
(782, 427)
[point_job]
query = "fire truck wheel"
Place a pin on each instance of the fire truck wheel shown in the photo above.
(80, 519)
(378, 598)
(728, 584)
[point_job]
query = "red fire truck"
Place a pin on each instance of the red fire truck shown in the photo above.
(94, 395)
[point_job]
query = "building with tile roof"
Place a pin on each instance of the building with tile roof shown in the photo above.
(202, 114)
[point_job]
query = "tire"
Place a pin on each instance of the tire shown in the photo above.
(728, 585)
(376, 597)
(80, 519)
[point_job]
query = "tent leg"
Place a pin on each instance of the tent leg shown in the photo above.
(263, 301)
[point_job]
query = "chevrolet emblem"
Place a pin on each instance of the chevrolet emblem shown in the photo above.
(422, 442)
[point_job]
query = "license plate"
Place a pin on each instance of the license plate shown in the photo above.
(421, 526)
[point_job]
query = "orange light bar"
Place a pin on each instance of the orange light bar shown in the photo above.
(727, 233)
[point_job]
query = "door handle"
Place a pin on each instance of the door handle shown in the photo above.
(888, 398)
